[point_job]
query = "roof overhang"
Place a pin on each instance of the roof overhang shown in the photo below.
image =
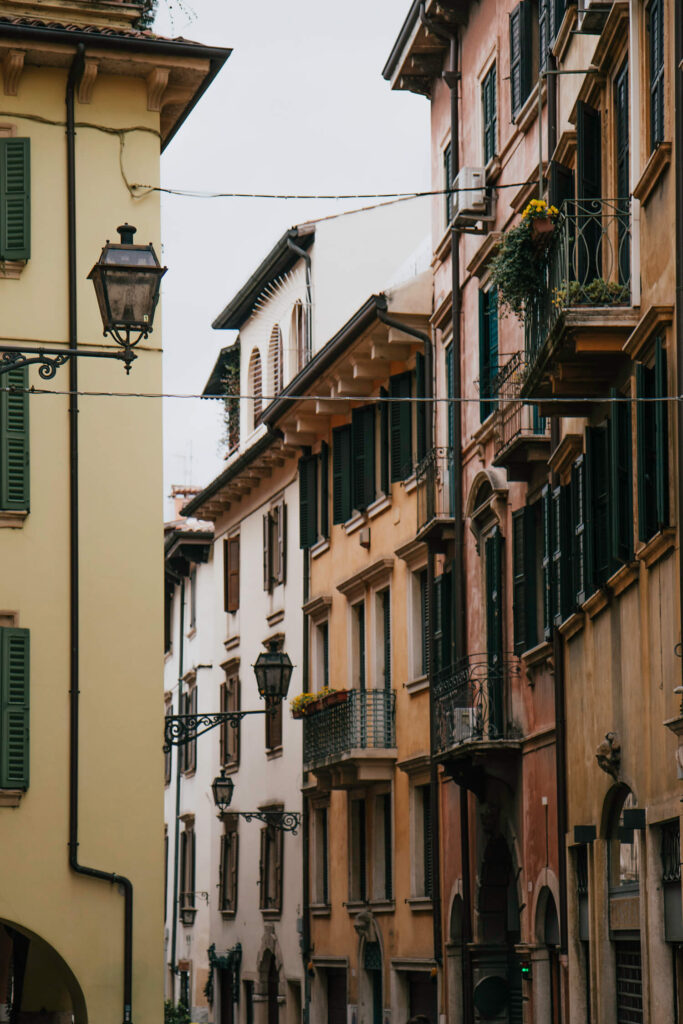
(279, 260)
(177, 72)
(183, 548)
(417, 56)
(216, 384)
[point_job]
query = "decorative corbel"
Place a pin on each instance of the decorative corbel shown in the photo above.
(608, 755)
(90, 69)
(12, 67)
(157, 80)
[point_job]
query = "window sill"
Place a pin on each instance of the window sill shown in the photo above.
(410, 483)
(383, 906)
(10, 797)
(622, 579)
(272, 753)
(192, 632)
(10, 270)
(320, 909)
(595, 603)
(272, 914)
(228, 915)
(168, 655)
(230, 767)
(355, 906)
(654, 171)
(418, 685)
(529, 112)
(379, 505)
(573, 625)
(354, 523)
(537, 657)
(189, 774)
(657, 547)
(320, 548)
(231, 642)
(11, 519)
(420, 904)
(443, 248)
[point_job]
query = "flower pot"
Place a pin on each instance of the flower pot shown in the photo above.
(338, 697)
(542, 229)
(298, 712)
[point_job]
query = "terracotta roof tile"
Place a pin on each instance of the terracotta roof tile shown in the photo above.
(95, 30)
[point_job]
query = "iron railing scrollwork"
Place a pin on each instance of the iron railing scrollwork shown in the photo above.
(671, 852)
(365, 720)
(434, 479)
(469, 701)
(182, 729)
(514, 419)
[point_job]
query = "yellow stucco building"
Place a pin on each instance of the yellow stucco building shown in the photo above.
(89, 99)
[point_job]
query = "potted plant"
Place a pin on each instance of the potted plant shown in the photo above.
(331, 697)
(519, 270)
(302, 705)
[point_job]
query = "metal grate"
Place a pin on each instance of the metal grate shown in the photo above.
(365, 720)
(469, 700)
(515, 419)
(434, 478)
(629, 983)
(671, 852)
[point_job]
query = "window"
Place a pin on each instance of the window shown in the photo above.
(321, 664)
(448, 181)
(14, 708)
(520, 56)
(193, 597)
(653, 445)
(187, 869)
(423, 877)
(274, 546)
(270, 868)
(275, 359)
(188, 751)
(274, 727)
(231, 382)
(255, 387)
(383, 607)
(655, 25)
(14, 439)
(493, 554)
(443, 591)
(358, 625)
(400, 427)
(321, 856)
(228, 865)
(314, 497)
(383, 883)
(489, 114)
(363, 456)
(15, 199)
(422, 631)
(299, 332)
(524, 578)
(231, 573)
(488, 350)
(230, 735)
(358, 882)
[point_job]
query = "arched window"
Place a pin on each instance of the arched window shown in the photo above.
(300, 342)
(623, 843)
(275, 359)
(255, 386)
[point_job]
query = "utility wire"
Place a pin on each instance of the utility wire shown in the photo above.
(196, 194)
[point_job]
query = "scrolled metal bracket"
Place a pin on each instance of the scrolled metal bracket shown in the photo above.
(182, 729)
(49, 360)
(283, 821)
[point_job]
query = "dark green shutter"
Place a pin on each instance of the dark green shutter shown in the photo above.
(524, 579)
(546, 514)
(562, 580)
(448, 181)
(421, 407)
(363, 446)
(324, 490)
(661, 416)
(578, 490)
(488, 102)
(308, 512)
(589, 187)
(341, 474)
(384, 484)
(656, 54)
(483, 358)
(488, 350)
(267, 557)
(597, 450)
(621, 503)
(15, 199)
(424, 611)
(494, 630)
(325, 629)
(442, 621)
(14, 708)
(521, 70)
(386, 637)
(557, 573)
(544, 29)
(401, 427)
(427, 840)
(14, 437)
(388, 866)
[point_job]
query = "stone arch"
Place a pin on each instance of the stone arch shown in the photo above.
(486, 504)
(268, 964)
(371, 988)
(546, 887)
(615, 798)
(47, 989)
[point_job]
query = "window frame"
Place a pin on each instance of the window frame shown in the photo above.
(489, 117)
(228, 866)
(271, 864)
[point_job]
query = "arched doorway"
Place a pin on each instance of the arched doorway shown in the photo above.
(273, 991)
(455, 962)
(496, 968)
(36, 983)
(546, 979)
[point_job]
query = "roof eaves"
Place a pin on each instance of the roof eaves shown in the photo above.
(399, 46)
(228, 474)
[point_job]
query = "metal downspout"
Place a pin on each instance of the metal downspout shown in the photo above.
(305, 256)
(75, 73)
(678, 179)
(306, 851)
(178, 780)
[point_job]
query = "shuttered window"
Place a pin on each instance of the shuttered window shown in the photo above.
(421, 410)
(231, 573)
(562, 578)
(524, 579)
(400, 427)
(308, 501)
(14, 708)
(187, 866)
(228, 867)
(363, 453)
(425, 813)
(15, 199)
(488, 350)
(547, 526)
(275, 359)
(14, 438)
(520, 56)
(448, 181)
(489, 114)
(621, 483)
(270, 868)
(579, 547)
(598, 499)
(494, 628)
(274, 727)
(324, 503)
(256, 386)
(655, 24)
(341, 474)
(652, 445)
(384, 483)
(188, 751)
(442, 621)
(385, 600)
(230, 735)
(275, 546)
(588, 186)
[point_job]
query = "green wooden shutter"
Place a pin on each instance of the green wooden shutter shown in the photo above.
(656, 48)
(401, 434)
(621, 503)
(267, 556)
(384, 484)
(494, 611)
(567, 589)
(558, 564)
(488, 102)
(544, 29)
(308, 512)
(521, 70)
(388, 865)
(363, 447)
(15, 199)
(427, 840)
(14, 708)
(597, 449)
(448, 181)
(386, 637)
(14, 440)
(646, 453)
(524, 579)
(661, 416)
(492, 333)
(341, 474)
(324, 489)
(578, 491)
(547, 562)
(421, 407)
(589, 187)
(325, 629)
(281, 511)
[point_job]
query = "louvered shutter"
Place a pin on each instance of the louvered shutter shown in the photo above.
(558, 561)
(483, 358)
(401, 427)
(546, 513)
(14, 440)
(193, 866)
(424, 614)
(656, 48)
(308, 513)
(278, 843)
(263, 870)
(646, 452)
(386, 637)
(388, 860)
(234, 869)
(492, 334)
(597, 451)
(384, 484)
(325, 631)
(231, 573)
(578, 492)
(520, 55)
(267, 578)
(183, 869)
(15, 199)
(324, 490)
(544, 28)
(421, 407)
(427, 841)
(661, 416)
(341, 474)
(222, 879)
(621, 484)
(488, 100)
(448, 181)
(281, 511)
(363, 448)
(14, 708)
(589, 187)
(523, 579)
(494, 629)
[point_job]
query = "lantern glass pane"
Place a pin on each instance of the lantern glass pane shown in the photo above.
(132, 296)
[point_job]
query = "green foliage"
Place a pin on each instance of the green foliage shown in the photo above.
(519, 270)
(597, 292)
(148, 13)
(175, 1014)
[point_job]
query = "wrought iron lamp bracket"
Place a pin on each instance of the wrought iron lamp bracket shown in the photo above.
(182, 729)
(49, 360)
(283, 821)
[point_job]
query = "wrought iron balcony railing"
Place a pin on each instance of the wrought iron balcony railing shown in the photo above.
(469, 702)
(589, 265)
(365, 721)
(434, 478)
(515, 419)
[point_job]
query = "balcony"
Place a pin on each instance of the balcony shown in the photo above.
(354, 742)
(522, 435)
(473, 736)
(574, 334)
(435, 495)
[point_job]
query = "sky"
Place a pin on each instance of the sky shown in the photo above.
(300, 106)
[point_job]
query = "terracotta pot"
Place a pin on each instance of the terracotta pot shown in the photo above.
(300, 713)
(542, 229)
(338, 697)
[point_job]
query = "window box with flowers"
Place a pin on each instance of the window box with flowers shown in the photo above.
(308, 703)
(519, 270)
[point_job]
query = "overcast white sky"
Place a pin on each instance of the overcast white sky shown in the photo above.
(300, 106)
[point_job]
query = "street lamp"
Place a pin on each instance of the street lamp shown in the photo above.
(273, 670)
(223, 788)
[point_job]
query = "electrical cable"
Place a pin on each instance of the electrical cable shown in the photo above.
(196, 194)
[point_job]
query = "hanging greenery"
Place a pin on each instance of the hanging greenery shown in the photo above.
(148, 13)
(175, 1014)
(230, 380)
(230, 961)
(519, 270)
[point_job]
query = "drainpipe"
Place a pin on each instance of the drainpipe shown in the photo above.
(178, 780)
(306, 851)
(305, 256)
(75, 73)
(678, 185)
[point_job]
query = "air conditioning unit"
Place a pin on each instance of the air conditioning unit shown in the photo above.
(469, 199)
(465, 724)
